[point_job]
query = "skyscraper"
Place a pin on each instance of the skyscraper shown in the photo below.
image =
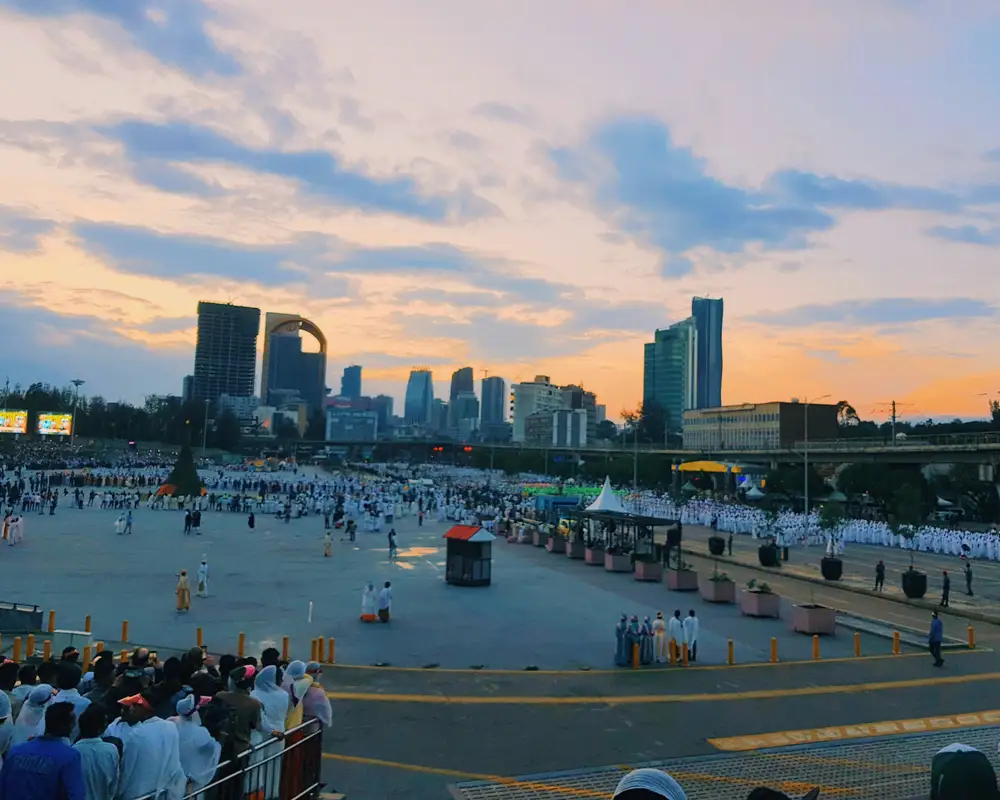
(462, 382)
(350, 383)
(225, 357)
(419, 397)
(670, 371)
(493, 401)
(707, 315)
(288, 374)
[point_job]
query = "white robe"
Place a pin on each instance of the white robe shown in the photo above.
(368, 602)
(675, 630)
(199, 752)
(275, 701)
(203, 580)
(691, 626)
(660, 640)
(151, 762)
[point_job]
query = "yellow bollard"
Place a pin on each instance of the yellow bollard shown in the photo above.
(672, 654)
(857, 645)
(16, 654)
(972, 637)
(312, 650)
(201, 637)
(774, 651)
(46, 650)
(52, 622)
(284, 648)
(895, 643)
(29, 650)
(86, 624)
(684, 654)
(99, 647)
(815, 646)
(86, 655)
(124, 630)
(635, 656)
(241, 645)
(124, 657)
(731, 653)
(331, 652)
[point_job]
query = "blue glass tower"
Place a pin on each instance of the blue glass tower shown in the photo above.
(707, 315)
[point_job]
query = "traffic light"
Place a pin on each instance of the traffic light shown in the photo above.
(467, 448)
(438, 449)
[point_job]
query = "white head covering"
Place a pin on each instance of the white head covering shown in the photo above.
(272, 697)
(187, 706)
(31, 719)
(652, 780)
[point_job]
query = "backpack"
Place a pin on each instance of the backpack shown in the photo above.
(219, 719)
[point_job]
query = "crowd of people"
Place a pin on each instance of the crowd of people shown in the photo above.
(138, 728)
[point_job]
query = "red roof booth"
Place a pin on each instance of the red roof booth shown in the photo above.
(468, 555)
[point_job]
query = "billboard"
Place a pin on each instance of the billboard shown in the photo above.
(13, 421)
(50, 424)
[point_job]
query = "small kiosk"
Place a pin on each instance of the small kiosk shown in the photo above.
(468, 556)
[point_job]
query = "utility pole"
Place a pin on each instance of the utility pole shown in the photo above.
(635, 459)
(805, 459)
(890, 407)
(77, 382)
(204, 431)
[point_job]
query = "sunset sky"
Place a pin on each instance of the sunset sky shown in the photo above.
(523, 187)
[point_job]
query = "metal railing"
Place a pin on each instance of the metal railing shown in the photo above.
(279, 769)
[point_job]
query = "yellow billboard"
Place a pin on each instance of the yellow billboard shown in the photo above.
(13, 421)
(55, 424)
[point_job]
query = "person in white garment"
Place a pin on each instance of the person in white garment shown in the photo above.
(385, 602)
(691, 625)
(199, 752)
(203, 577)
(151, 762)
(675, 632)
(368, 603)
(274, 700)
(660, 638)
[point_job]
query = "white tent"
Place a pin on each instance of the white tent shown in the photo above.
(607, 500)
(942, 503)
(754, 493)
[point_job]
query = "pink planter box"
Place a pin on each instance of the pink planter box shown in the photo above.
(760, 604)
(556, 544)
(575, 550)
(682, 580)
(717, 591)
(539, 538)
(645, 571)
(617, 563)
(594, 556)
(813, 619)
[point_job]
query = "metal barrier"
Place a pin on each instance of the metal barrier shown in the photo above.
(279, 769)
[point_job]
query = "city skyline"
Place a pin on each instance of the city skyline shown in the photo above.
(834, 175)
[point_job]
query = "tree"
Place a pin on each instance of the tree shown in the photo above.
(846, 415)
(227, 431)
(285, 429)
(648, 422)
(184, 475)
(907, 514)
(995, 413)
(316, 429)
(606, 429)
(790, 479)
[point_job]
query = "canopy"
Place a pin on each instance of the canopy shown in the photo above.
(942, 503)
(754, 493)
(709, 466)
(837, 497)
(607, 500)
(469, 533)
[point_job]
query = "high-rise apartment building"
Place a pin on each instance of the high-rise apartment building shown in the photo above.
(462, 382)
(529, 397)
(350, 382)
(419, 397)
(707, 316)
(576, 398)
(670, 372)
(225, 357)
(493, 392)
(290, 376)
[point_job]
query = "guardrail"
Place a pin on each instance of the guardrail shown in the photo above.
(278, 769)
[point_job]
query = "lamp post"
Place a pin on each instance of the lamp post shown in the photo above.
(204, 430)
(77, 382)
(805, 458)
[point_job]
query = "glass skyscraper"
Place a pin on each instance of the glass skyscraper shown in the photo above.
(707, 316)
(670, 371)
(350, 383)
(417, 408)
(225, 357)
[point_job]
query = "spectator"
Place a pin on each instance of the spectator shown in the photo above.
(100, 760)
(960, 772)
(8, 679)
(151, 762)
(32, 716)
(649, 784)
(196, 673)
(67, 679)
(246, 710)
(26, 677)
(316, 704)
(103, 679)
(199, 752)
(296, 683)
(6, 725)
(47, 672)
(45, 767)
(170, 689)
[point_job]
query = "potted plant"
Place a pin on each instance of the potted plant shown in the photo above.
(647, 568)
(716, 545)
(757, 600)
(575, 546)
(617, 560)
(682, 578)
(813, 618)
(767, 553)
(906, 517)
(831, 518)
(717, 588)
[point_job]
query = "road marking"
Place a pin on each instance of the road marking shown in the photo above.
(572, 791)
(629, 673)
(611, 700)
(864, 731)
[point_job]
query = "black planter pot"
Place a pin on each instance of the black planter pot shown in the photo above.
(767, 554)
(832, 568)
(716, 545)
(914, 584)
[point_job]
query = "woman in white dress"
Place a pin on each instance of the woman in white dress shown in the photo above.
(274, 699)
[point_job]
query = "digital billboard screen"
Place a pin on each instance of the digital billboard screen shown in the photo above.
(55, 424)
(13, 421)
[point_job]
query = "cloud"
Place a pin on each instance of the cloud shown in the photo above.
(664, 196)
(20, 233)
(442, 297)
(992, 155)
(156, 151)
(967, 234)
(882, 311)
(503, 112)
(463, 140)
(489, 337)
(169, 324)
(350, 115)
(174, 33)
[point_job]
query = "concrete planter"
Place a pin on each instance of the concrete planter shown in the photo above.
(575, 549)
(811, 618)
(617, 562)
(648, 571)
(539, 538)
(594, 556)
(760, 604)
(717, 591)
(682, 580)
(556, 544)
(524, 534)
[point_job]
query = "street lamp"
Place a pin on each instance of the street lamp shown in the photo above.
(77, 382)
(204, 430)
(805, 456)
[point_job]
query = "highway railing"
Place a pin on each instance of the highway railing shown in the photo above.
(936, 441)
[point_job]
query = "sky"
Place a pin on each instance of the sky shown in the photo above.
(526, 188)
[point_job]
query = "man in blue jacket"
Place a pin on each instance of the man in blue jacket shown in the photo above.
(935, 638)
(47, 766)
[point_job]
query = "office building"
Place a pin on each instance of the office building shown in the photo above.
(289, 375)
(464, 414)
(351, 425)
(569, 427)
(707, 316)
(419, 397)
(528, 397)
(602, 413)
(758, 426)
(350, 382)
(187, 389)
(383, 405)
(225, 357)
(439, 415)
(538, 429)
(462, 382)
(670, 372)
(245, 408)
(577, 398)
(493, 391)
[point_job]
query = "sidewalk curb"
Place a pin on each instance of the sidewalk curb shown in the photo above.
(977, 616)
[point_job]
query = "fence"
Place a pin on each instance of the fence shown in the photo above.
(278, 769)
